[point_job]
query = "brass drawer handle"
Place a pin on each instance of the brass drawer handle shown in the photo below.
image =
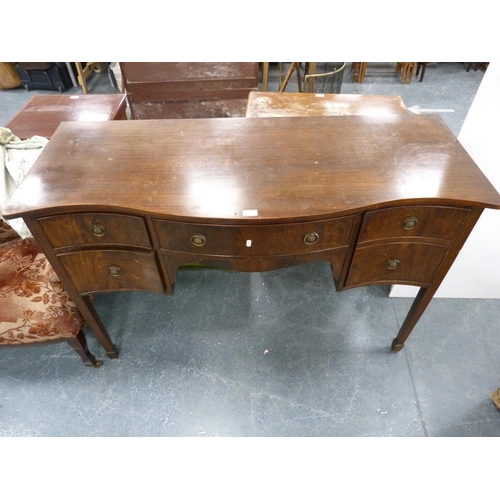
(114, 270)
(392, 263)
(311, 238)
(410, 223)
(97, 229)
(198, 240)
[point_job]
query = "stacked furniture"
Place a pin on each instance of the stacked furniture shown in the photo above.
(188, 90)
(85, 70)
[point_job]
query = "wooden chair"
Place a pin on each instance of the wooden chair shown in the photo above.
(358, 71)
(34, 307)
(294, 66)
(407, 71)
(85, 71)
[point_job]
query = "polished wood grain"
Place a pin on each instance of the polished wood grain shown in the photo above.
(268, 104)
(415, 264)
(122, 205)
(286, 169)
(44, 113)
(103, 270)
(414, 222)
(90, 229)
(244, 240)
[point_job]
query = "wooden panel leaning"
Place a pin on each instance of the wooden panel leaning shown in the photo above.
(188, 89)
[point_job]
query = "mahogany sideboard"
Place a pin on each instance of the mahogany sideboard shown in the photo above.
(121, 205)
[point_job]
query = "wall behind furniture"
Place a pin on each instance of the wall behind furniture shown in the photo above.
(476, 271)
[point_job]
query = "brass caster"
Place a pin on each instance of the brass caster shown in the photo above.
(112, 354)
(395, 346)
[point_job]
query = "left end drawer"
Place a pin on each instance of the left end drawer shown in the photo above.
(88, 229)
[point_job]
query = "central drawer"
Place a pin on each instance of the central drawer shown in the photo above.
(254, 240)
(88, 229)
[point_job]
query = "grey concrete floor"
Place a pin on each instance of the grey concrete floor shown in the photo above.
(270, 354)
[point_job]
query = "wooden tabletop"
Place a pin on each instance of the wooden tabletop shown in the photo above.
(44, 113)
(264, 104)
(249, 169)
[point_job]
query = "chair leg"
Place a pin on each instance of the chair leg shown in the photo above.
(265, 76)
(422, 66)
(82, 79)
(79, 344)
(411, 70)
(299, 77)
(363, 71)
(355, 72)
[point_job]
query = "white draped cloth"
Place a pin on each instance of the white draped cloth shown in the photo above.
(16, 158)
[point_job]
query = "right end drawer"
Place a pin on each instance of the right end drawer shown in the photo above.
(405, 263)
(440, 223)
(403, 244)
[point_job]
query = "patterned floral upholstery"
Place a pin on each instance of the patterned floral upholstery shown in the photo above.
(6, 232)
(34, 307)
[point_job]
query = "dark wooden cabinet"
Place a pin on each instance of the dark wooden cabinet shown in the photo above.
(382, 199)
(158, 90)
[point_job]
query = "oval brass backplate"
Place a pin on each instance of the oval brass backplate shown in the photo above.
(311, 238)
(392, 263)
(410, 223)
(97, 229)
(198, 240)
(114, 270)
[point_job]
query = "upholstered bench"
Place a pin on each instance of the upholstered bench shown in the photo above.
(34, 307)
